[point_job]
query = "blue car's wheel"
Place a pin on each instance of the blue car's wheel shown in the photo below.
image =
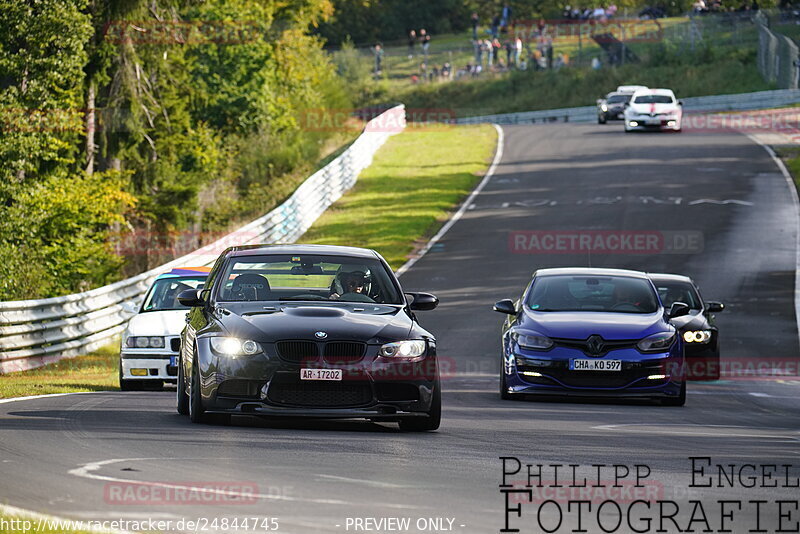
(680, 400)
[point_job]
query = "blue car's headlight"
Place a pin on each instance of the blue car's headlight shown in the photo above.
(656, 342)
(533, 340)
(232, 346)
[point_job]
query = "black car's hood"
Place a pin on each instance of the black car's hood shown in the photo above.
(694, 321)
(370, 323)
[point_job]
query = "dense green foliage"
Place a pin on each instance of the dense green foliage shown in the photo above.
(161, 117)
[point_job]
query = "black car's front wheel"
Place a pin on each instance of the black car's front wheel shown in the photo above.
(432, 420)
(183, 398)
(196, 408)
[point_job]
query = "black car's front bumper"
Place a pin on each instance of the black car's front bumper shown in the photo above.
(264, 384)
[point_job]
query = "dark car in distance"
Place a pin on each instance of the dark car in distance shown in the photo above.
(307, 331)
(612, 107)
(697, 328)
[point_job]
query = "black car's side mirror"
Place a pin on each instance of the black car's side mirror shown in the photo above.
(505, 306)
(191, 298)
(712, 306)
(680, 102)
(627, 105)
(422, 301)
(678, 309)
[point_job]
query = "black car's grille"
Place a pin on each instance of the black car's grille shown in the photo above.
(396, 392)
(175, 344)
(339, 352)
(320, 394)
(559, 372)
(297, 351)
(591, 349)
(239, 388)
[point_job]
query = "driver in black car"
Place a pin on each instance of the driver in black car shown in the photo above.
(352, 282)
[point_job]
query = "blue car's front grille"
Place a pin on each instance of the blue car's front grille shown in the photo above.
(557, 372)
(606, 345)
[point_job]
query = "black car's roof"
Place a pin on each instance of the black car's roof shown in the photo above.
(670, 277)
(256, 250)
(589, 271)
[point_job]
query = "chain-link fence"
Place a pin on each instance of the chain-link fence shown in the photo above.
(778, 57)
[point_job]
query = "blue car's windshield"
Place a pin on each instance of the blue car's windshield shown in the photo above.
(617, 294)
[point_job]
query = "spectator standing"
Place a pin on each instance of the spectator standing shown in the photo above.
(378, 50)
(509, 50)
(425, 38)
(496, 48)
(412, 43)
(487, 46)
(475, 20)
(517, 51)
(495, 26)
(505, 16)
(596, 65)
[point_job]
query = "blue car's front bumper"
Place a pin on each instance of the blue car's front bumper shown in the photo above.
(653, 375)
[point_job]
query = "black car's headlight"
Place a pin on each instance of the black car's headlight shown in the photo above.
(533, 340)
(233, 346)
(697, 336)
(656, 342)
(144, 342)
(410, 348)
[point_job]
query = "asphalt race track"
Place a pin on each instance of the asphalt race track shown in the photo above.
(77, 456)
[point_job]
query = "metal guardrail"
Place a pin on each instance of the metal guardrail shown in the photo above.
(37, 332)
(736, 102)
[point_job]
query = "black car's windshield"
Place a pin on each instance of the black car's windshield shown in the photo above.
(592, 293)
(163, 295)
(671, 291)
(653, 99)
(305, 277)
(618, 99)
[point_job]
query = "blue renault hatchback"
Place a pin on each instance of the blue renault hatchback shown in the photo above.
(580, 332)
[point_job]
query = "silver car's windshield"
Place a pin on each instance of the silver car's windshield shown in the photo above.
(164, 293)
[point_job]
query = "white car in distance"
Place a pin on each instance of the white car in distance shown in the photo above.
(653, 109)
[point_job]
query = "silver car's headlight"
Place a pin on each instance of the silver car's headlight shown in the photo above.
(656, 342)
(233, 347)
(144, 342)
(410, 348)
(697, 336)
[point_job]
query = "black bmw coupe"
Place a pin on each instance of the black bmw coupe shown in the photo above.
(307, 331)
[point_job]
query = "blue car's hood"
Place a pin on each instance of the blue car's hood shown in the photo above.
(581, 325)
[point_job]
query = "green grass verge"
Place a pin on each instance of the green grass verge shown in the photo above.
(413, 184)
(791, 158)
(94, 372)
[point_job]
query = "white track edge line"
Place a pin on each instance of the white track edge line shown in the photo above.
(31, 397)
